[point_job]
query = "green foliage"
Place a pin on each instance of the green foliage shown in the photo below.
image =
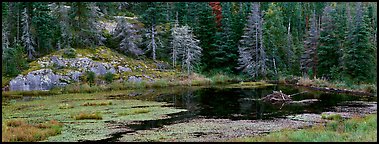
(69, 53)
(331, 116)
(275, 40)
(327, 51)
(109, 77)
(360, 56)
(14, 61)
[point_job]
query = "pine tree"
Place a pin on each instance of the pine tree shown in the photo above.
(205, 29)
(43, 24)
(226, 53)
(129, 37)
(84, 23)
(252, 53)
(60, 12)
(26, 35)
(359, 58)
(309, 57)
(327, 52)
(152, 17)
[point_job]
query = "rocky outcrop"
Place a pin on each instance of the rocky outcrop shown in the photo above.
(43, 79)
(46, 78)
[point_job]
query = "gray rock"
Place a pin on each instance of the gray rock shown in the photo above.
(74, 75)
(98, 69)
(43, 79)
(112, 70)
(134, 79)
(123, 69)
(57, 61)
(18, 83)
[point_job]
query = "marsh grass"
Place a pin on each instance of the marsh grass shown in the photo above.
(20, 131)
(83, 116)
(353, 130)
(96, 104)
(305, 81)
(134, 111)
(65, 106)
(331, 116)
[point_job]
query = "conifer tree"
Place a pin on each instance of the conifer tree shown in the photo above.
(327, 52)
(252, 54)
(309, 57)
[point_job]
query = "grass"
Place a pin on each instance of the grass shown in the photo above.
(19, 131)
(65, 106)
(96, 104)
(5, 81)
(317, 82)
(83, 116)
(134, 111)
(250, 84)
(357, 129)
(331, 116)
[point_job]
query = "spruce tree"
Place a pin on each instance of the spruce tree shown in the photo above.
(327, 51)
(359, 58)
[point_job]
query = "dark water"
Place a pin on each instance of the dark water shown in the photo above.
(238, 104)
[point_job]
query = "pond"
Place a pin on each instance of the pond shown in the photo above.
(171, 108)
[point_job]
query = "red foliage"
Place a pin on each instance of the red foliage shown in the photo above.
(216, 7)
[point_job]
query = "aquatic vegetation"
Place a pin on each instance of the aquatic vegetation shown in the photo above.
(19, 130)
(65, 106)
(82, 116)
(96, 104)
(134, 111)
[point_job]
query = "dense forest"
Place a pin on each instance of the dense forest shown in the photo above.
(263, 40)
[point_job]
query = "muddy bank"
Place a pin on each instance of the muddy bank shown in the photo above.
(327, 89)
(211, 130)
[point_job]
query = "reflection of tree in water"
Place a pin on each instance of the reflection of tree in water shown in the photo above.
(189, 102)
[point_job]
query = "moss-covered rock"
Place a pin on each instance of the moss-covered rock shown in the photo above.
(69, 64)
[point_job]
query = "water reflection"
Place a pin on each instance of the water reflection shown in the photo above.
(234, 103)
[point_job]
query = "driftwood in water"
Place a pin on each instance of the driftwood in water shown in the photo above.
(280, 97)
(276, 96)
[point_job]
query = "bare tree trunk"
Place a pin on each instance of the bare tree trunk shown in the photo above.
(153, 41)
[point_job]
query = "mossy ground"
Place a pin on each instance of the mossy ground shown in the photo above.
(65, 107)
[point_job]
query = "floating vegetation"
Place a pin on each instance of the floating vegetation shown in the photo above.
(82, 116)
(134, 111)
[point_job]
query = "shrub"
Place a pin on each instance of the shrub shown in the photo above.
(109, 77)
(19, 130)
(160, 83)
(69, 53)
(90, 77)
